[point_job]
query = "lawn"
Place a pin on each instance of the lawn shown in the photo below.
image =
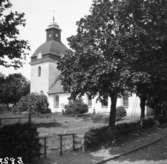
(51, 125)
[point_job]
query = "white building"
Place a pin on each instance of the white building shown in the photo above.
(45, 77)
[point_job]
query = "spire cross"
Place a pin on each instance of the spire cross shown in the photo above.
(53, 19)
(53, 16)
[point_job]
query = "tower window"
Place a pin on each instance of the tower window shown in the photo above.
(89, 101)
(39, 71)
(56, 101)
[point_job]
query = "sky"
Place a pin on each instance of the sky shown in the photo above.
(38, 15)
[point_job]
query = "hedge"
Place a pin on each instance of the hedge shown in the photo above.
(95, 138)
(19, 140)
(76, 107)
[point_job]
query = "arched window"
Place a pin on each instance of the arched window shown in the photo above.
(89, 101)
(56, 101)
(125, 100)
(39, 71)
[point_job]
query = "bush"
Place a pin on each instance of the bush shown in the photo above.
(120, 112)
(37, 103)
(76, 107)
(19, 140)
(95, 138)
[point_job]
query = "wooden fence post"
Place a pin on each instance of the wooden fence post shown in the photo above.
(45, 149)
(73, 139)
(61, 145)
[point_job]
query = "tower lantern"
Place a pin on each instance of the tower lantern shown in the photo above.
(53, 32)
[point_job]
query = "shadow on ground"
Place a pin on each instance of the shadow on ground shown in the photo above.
(73, 157)
(153, 154)
(48, 125)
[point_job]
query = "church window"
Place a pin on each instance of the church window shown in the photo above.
(89, 101)
(56, 101)
(125, 100)
(56, 35)
(50, 35)
(39, 71)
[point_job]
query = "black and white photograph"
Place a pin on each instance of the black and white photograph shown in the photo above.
(83, 82)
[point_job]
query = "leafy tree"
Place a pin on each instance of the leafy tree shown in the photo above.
(144, 22)
(34, 102)
(99, 65)
(12, 88)
(12, 49)
(120, 45)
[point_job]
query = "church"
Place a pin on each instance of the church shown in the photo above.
(45, 77)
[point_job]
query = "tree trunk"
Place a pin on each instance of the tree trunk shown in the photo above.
(142, 106)
(112, 118)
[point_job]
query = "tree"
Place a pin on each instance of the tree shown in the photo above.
(12, 49)
(145, 24)
(12, 88)
(98, 65)
(34, 102)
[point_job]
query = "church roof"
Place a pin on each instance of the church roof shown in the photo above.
(56, 87)
(51, 47)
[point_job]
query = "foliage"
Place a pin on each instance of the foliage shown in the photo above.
(95, 138)
(12, 48)
(34, 102)
(12, 88)
(120, 112)
(98, 65)
(120, 45)
(76, 107)
(144, 23)
(19, 140)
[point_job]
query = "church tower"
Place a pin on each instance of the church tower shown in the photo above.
(44, 72)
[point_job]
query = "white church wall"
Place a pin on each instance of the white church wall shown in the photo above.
(63, 100)
(40, 83)
(133, 108)
(53, 72)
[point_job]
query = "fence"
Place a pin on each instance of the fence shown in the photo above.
(61, 143)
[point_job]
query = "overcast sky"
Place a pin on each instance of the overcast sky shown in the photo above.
(39, 14)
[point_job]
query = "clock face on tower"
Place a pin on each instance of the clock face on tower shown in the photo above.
(50, 35)
(56, 35)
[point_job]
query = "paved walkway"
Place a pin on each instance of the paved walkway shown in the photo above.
(153, 154)
(149, 137)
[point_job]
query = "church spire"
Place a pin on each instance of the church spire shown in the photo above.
(53, 32)
(53, 19)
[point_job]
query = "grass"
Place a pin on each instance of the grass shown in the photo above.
(53, 124)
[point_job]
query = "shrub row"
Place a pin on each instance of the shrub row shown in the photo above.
(19, 140)
(95, 138)
(76, 107)
(37, 103)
